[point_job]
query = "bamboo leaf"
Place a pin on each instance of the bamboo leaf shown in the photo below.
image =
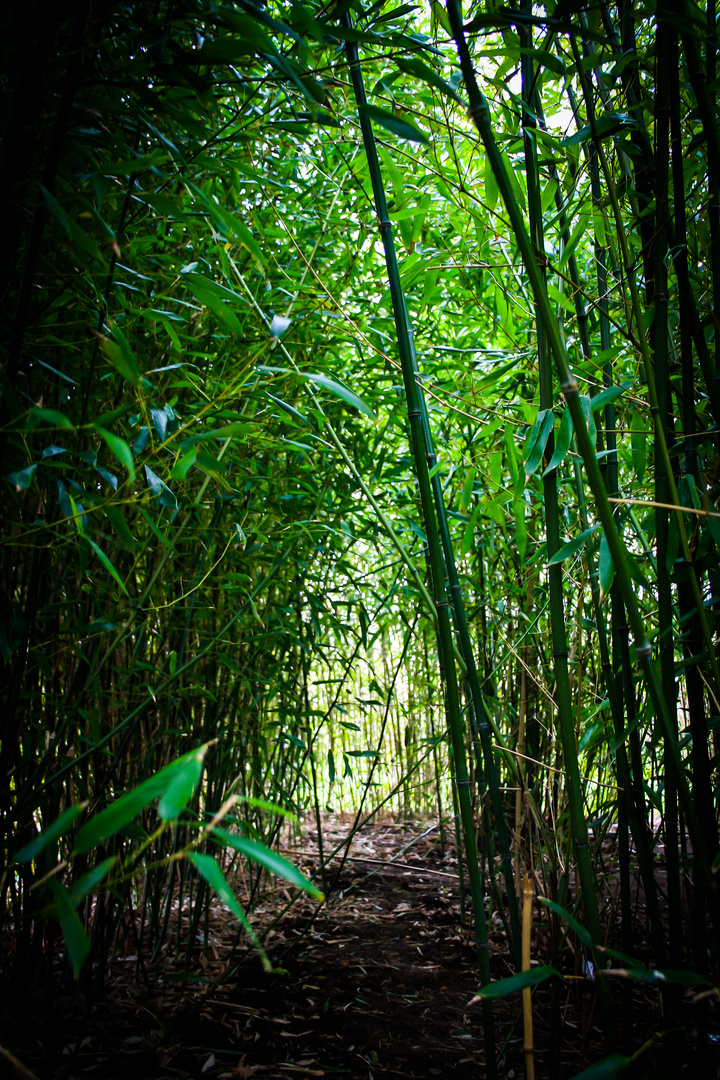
(182, 787)
(341, 391)
(51, 417)
(77, 941)
(606, 1069)
(22, 479)
(121, 356)
(562, 443)
(607, 125)
(580, 931)
(62, 824)
(207, 866)
(119, 448)
(606, 567)
(75, 234)
(606, 396)
(122, 811)
(106, 563)
(159, 489)
(402, 128)
(89, 882)
(522, 981)
(267, 858)
(413, 66)
(660, 976)
(537, 440)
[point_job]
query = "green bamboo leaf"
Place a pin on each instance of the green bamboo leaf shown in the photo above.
(154, 529)
(520, 525)
(522, 981)
(219, 300)
(537, 440)
(562, 443)
(607, 125)
(342, 392)
(121, 356)
(511, 454)
(22, 479)
(575, 237)
(115, 517)
(106, 563)
(286, 736)
(89, 882)
(209, 869)
(264, 856)
(660, 976)
(402, 128)
(119, 448)
(181, 788)
(290, 409)
(468, 540)
(77, 941)
(52, 417)
(160, 490)
(78, 515)
(59, 827)
(183, 463)
(580, 931)
(606, 396)
(546, 60)
(606, 567)
(331, 767)
(228, 50)
(363, 626)
(121, 812)
(606, 1069)
(413, 66)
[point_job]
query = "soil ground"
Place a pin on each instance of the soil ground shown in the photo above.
(376, 983)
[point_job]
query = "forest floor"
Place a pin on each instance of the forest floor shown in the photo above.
(378, 982)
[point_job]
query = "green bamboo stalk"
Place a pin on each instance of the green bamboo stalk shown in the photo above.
(479, 714)
(419, 450)
(622, 699)
(648, 371)
(480, 114)
(552, 523)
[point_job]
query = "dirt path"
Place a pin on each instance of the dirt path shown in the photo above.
(377, 984)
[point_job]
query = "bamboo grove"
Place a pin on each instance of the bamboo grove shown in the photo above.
(359, 430)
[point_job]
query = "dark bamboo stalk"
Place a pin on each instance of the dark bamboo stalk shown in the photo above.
(666, 643)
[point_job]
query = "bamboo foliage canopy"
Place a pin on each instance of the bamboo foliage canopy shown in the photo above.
(359, 416)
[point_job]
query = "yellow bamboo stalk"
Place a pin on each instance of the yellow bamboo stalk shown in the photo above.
(527, 992)
(519, 799)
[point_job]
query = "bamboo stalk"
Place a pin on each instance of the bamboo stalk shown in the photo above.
(435, 553)
(480, 115)
(528, 1046)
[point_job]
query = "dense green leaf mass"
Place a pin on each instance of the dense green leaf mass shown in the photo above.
(217, 533)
